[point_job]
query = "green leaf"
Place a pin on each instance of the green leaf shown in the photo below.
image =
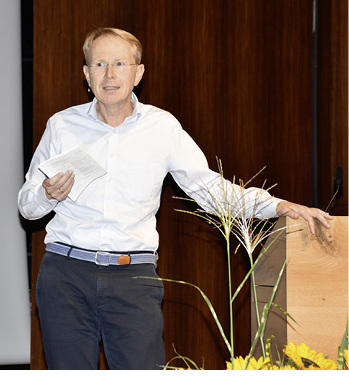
(343, 346)
(260, 330)
(284, 311)
(209, 304)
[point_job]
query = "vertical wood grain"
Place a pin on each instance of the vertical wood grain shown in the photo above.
(238, 76)
(332, 100)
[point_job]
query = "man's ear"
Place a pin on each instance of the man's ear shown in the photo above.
(86, 73)
(139, 74)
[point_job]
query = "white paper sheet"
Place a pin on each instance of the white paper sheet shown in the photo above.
(85, 169)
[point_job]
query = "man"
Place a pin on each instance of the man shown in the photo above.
(96, 246)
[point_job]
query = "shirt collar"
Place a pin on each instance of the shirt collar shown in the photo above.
(92, 111)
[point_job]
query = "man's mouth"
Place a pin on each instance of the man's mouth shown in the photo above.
(110, 88)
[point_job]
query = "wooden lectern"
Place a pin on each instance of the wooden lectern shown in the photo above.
(313, 288)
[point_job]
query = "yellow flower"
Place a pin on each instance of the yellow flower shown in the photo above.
(287, 367)
(253, 364)
(345, 354)
(307, 359)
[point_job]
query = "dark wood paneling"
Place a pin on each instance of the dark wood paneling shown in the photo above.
(332, 100)
(238, 75)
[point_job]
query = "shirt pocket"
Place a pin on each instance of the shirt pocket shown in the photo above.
(144, 180)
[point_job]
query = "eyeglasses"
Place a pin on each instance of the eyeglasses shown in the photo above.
(119, 66)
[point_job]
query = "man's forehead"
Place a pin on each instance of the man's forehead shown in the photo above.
(110, 41)
(111, 45)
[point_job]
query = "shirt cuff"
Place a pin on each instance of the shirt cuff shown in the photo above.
(276, 201)
(44, 202)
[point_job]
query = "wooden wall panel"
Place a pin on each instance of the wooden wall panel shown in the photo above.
(332, 100)
(238, 75)
(235, 75)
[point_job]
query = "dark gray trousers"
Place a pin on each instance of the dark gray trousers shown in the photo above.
(80, 303)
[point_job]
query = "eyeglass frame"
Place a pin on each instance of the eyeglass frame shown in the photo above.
(117, 66)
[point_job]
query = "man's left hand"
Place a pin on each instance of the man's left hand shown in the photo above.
(294, 211)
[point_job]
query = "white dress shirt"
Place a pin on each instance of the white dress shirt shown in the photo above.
(117, 212)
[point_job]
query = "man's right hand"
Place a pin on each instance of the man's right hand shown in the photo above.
(59, 186)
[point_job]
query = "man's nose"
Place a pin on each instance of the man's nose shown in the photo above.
(110, 72)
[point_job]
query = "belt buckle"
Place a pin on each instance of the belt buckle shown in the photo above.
(101, 253)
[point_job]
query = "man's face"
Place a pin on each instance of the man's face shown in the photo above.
(112, 86)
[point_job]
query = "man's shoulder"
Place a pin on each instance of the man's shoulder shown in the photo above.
(156, 112)
(79, 109)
